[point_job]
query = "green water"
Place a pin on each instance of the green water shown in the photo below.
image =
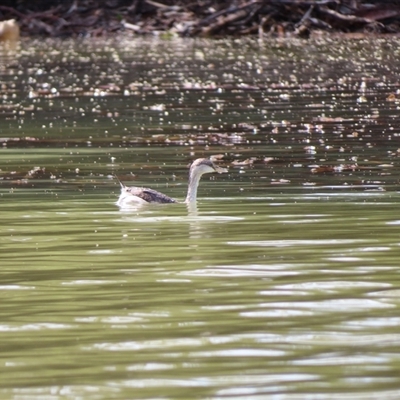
(282, 282)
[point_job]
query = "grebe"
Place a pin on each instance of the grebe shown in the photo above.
(139, 195)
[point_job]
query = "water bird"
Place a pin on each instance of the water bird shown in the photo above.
(139, 195)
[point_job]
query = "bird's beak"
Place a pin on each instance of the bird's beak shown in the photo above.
(220, 170)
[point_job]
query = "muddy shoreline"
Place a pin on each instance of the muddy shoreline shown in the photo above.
(272, 18)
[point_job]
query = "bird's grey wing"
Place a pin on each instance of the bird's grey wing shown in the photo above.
(151, 196)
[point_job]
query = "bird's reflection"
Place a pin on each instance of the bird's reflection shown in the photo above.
(192, 209)
(196, 228)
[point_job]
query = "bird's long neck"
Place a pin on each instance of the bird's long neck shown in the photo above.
(194, 180)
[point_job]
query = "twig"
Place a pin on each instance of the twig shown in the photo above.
(263, 21)
(305, 17)
(43, 14)
(229, 10)
(12, 10)
(156, 4)
(133, 7)
(223, 21)
(342, 17)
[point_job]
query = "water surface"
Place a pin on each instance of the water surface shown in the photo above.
(282, 282)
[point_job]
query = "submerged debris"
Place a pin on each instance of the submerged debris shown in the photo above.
(36, 172)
